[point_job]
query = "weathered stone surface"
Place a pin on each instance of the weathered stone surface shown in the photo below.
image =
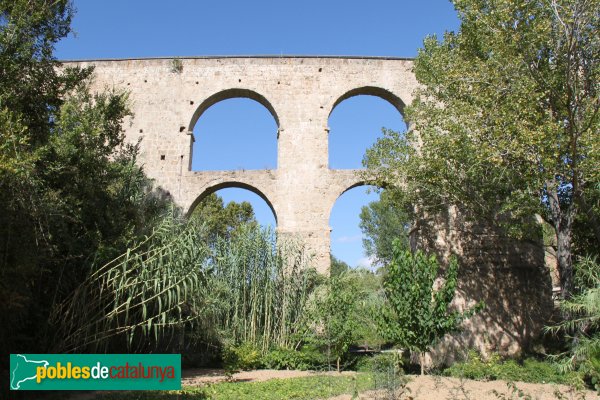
(300, 93)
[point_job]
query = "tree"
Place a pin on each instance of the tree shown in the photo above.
(222, 221)
(381, 221)
(417, 316)
(584, 240)
(338, 266)
(506, 121)
(71, 195)
(338, 314)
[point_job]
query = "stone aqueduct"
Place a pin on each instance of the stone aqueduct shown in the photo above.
(300, 93)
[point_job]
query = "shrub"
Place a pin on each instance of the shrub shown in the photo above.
(282, 358)
(387, 372)
(530, 370)
(245, 357)
(418, 315)
(381, 362)
(582, 323)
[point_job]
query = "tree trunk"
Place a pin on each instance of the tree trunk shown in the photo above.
(422, 363)
(565, 261)
(338, 364)
(562, 220)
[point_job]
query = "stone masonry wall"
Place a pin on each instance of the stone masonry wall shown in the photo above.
(300, 93)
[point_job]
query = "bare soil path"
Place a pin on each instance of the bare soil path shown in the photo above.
(420, 387)
(443, 388)
(198, 377)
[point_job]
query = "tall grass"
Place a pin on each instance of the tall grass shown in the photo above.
(581, 324)
(175, 286)
(265, 286)
(152, 290)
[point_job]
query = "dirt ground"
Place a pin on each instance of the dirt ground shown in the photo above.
(420, 387)
(196, 377)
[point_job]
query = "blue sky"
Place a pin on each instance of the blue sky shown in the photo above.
(151, 28)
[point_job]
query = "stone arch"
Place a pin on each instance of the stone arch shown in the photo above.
(384, 94)
(231, 94)
(230, 184)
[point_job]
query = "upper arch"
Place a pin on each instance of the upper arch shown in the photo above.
(372, 91)
(231, 184)
(231, 94)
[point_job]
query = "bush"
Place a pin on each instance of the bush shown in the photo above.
(530, 370)
(282, 358)
(245, 357)
(582, 323)
(380, 362)
(418, 314)
(387, 372)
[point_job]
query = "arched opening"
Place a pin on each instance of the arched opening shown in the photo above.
(239, 192)
(356, 122)
(234, 129)
(344, 221)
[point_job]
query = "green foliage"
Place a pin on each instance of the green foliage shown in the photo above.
(304, 359)
(248, 357)
(417, 315)
(381, 221)
(152, 290)
(337, 267)
(370, 302)
(506, 121)
(381, 362)
(32, 86)
(296, 388)
(494, 368)
(582, 324)
(337, 314)
(242, 357)
(243, 294)
(262, 289)
(335, 326)
(388, 375)
(307, 388)
(585, 227)
(70, 193)
(222, 221)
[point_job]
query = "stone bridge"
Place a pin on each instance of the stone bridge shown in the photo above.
(168, 97)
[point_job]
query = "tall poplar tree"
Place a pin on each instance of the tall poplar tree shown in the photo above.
(506, 123)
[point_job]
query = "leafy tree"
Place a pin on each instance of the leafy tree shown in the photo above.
(31, 83)
(337, 312)
(584, 240)
(340, 313)
(369, 302)
(506, 121)
(417, 315)
(70, 192)
(222, 221)
(381, 221)
(338, 266)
